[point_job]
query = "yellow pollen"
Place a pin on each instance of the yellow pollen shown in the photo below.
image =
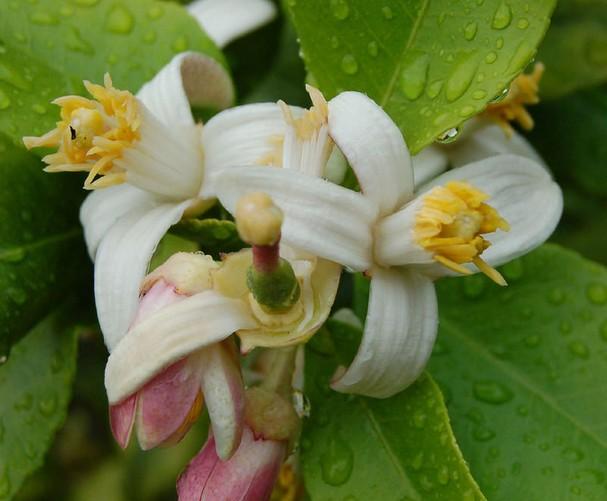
(286, 486)
(522, 92)
(312, 119)
(92, 134)
(450, 225)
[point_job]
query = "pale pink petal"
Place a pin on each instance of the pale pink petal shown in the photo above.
(122, 418)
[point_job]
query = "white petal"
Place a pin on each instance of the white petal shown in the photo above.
(245, 135)
(400, 330)
(486, 141)
(224, 396)
(225, 20)
(523, 193)
(429, 163)
(375, 148)
(167, 336)
(190, 78)
(102, 208)
(122, 262)
(321, 218)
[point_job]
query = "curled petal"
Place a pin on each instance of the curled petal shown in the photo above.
(248, 476)
(225, 20)
(189, 79)
(102, 208)
(122, 418)
(321, 218)
(224, 394)
(399, 334)
(122, 262)
(169, 335)
(524, 194)
(375, 148)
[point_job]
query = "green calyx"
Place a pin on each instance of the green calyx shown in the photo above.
(276, 290)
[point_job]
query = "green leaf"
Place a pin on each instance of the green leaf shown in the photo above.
(400, 448)
(430, 64)
(575, 48)
(41, 253)
(212, 235)
(35, 386)
(66, 42)
(524, 369)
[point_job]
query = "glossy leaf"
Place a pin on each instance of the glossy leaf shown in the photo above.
(35, 387)
(66, 42)
(42, 257)
(363, 448)
(212, 235)
(575, 48)
(431, 65)
(523, 368)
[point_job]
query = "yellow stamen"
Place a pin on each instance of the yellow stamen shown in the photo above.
(522, 92)
(286, 485)
(450, 226)
(92, 134)
(312, 119)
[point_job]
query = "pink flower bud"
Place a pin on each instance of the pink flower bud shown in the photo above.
(249, 475)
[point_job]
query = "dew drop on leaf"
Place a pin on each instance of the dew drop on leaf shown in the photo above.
(597, 293)
(387, 12)
(572, 455)
(5, 101)
(155, 12)
(180, 44)
(119, 20)
(75, 42)
(340, 9)
(502, 17)
(43, 18)
(492, 392)
(565, 327)
(470, 31)
(334, 42)
(418, 461)
(349, 65)
(373, 49)
(149, 37)
(461, 78)
(579, 349)
(522, 24)
(336, 462)
(48, 406)
(414, 74)
(556, 296)
(482, 434)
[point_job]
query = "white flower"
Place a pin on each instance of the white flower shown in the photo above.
(401, 239)
(225, 20)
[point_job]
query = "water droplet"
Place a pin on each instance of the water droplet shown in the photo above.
(155, 12)
(39, 109)
(483, 434)
(24, 403)
(522, 55)
(349, 65)
(334, 42)
(443, 475)
(418, 461)
(434, 88)
(75, 42)
(557, 296)
(448, 136)
(467, 111)
(66, 10)
(12, 76)
(340, 9)
(336, 462)
(419, 418)
(522, 24)
(499, 43)
(502, 17)
(119, 20)
(597, 293)
(579, 349)
(470, 31)
(572, 455)
(565, 327)
(492, 392)
(43, 18)
(373, 49)
(491, 57)
(19, 296)
(48, 406)
(461, 78)
(180, 44)
(30, 449)
(522, 410)
(149, 37)
(5, 101)
(532, 341)
(387, 12)
(414, 74)
(576, 490)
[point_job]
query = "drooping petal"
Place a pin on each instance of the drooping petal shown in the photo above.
(375, 148)
(169, 335)
(102, 208)
(429, 163)
(189, 79)
(321, 218)
(225, 20)
(168, 405)
(246, 135)
(224, 394)
(523, 193)
(399, 334)
(486, 141)
(122, 418)
(248, 476)
(122, 262)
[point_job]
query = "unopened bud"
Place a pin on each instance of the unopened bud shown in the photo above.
(258, 220)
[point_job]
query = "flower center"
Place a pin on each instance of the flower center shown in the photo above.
(450, 225)
(92, 134)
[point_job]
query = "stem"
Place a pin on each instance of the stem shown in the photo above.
(266, 257)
